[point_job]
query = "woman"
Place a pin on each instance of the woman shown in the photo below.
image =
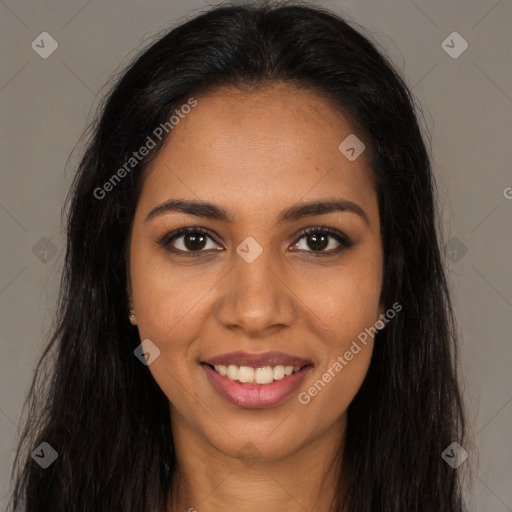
(254, 313)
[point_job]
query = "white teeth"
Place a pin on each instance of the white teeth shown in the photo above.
(278, 372)
(232, 372)
(264, 375)
(247, 374)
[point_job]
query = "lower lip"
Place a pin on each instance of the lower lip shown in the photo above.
(253, 396)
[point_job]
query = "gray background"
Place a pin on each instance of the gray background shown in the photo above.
(467, 107)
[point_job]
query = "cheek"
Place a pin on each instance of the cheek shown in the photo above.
(165, 294)
(326, 398)
(170, 312)
(346, 298)
(345, 311)
(174, 299)
(336, 304)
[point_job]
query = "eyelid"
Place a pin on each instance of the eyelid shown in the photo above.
(166, 240)
(332, 232)
(339, 236)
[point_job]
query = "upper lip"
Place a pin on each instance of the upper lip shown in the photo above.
(257, 360)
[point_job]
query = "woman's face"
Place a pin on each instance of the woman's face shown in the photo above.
(251, 282)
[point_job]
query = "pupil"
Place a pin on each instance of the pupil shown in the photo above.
(316, 243)
(192, 239)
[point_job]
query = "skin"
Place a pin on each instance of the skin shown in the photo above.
(256, 153)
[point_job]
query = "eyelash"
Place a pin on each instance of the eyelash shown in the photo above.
(343, 240)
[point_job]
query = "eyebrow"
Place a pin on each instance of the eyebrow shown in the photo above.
(211, 211)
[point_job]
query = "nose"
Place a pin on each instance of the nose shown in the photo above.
(256, 297)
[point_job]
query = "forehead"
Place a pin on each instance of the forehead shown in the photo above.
(260, 150)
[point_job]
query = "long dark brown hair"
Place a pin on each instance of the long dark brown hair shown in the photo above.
(103, 412)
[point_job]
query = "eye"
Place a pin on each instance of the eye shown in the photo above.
(188, 240)
(318, 239)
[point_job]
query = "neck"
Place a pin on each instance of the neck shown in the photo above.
(208, 480)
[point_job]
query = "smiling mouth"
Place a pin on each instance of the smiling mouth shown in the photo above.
(251, 375)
